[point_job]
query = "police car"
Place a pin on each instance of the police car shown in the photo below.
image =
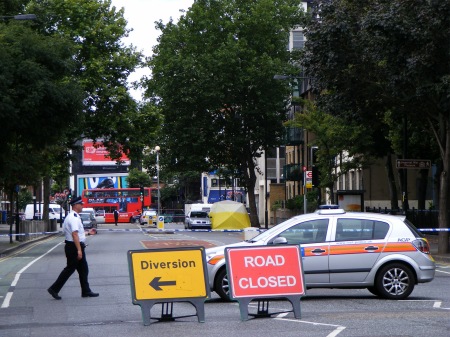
(384, 253)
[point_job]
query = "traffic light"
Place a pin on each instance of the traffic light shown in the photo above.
(69, 195)
(142, 190)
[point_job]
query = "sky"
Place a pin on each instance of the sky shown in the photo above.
(141, 16)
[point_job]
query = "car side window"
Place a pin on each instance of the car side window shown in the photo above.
(312, 231)
(360, 229)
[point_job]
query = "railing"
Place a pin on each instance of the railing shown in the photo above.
(419, 218)
(173, 215)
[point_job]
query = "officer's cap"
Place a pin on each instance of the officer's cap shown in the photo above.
(76, 201)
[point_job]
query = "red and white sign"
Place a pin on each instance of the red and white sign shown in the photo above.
(264, 271)
(98, 155)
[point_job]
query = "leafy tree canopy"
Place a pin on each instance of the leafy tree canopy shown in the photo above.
(213, 80)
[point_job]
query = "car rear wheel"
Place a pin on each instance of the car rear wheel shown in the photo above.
(395, 281)
(221, 285)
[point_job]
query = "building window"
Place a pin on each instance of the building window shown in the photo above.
(298, 40)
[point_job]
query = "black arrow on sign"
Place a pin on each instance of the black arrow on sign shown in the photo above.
(156, 284)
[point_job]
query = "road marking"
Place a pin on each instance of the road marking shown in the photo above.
(8, 297)
(338, 328)
(441, 271)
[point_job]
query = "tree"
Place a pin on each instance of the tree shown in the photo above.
(103, 64)
(402, 48)
(138, 178)
(338, 143)
(36, 94)
(213, 80)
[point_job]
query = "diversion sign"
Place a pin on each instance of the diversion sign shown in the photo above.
(168, 274)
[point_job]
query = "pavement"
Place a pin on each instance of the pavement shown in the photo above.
(8, 245)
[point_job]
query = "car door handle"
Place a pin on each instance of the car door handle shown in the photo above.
(371, 248)
(318, 251)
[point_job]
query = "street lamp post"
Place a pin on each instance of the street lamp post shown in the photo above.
(157, 149)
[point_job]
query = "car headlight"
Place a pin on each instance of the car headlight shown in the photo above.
(215, 259)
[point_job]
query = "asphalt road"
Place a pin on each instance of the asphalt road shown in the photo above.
(28, 310)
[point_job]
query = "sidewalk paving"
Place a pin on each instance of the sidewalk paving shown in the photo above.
(6, 247)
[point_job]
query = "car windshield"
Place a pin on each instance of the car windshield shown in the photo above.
(85, 216)
(269, 232)
(199, 215)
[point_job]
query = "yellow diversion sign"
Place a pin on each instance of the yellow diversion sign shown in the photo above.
(168, 273)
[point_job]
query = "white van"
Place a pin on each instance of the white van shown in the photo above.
(53, 211)
(197, 207)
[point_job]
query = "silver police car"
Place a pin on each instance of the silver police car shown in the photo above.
(384, 253)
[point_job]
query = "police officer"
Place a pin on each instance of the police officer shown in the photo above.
(116, 216)
(75, 253)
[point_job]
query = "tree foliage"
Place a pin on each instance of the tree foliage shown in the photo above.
(138, 178)
(338, 143)
(103, 63)
(213, 80)
(380, 63)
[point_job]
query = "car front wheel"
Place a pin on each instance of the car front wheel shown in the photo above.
(395, 281)
(221, 285)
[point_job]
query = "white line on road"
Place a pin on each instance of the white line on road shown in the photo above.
(8, 296)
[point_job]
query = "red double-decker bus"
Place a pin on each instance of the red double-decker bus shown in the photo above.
(126, 200)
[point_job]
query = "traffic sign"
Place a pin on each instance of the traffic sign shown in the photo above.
(168, 273)
(160, 223)
(308, 179)
(264, 271)
(413, 163)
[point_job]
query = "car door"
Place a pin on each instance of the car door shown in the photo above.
(357, 245)
(312, 236)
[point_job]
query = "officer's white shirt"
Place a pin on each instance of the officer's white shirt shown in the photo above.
(73, 223)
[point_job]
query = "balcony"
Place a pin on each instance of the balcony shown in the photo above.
(293, 136)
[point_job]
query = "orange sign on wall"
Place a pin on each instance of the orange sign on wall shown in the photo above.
(265, 271)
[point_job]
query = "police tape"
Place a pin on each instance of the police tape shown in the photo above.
(171, 230)
(28, 234)
(434, 229)
(168, 230)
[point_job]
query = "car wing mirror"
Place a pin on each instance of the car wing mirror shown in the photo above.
(281, 240)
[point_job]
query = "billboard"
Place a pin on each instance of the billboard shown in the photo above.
(98, 155)
(88, 182)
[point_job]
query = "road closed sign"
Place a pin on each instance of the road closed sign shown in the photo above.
(168, 273)
(265, 271)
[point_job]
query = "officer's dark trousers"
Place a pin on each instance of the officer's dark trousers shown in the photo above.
(73, 264)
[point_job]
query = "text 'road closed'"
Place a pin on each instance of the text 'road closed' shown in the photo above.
(265, 271)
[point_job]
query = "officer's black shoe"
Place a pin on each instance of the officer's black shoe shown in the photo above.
(54, 294)
(90, 294)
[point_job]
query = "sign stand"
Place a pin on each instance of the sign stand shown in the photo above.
(167, 310)
(263, 307)
(167, 276)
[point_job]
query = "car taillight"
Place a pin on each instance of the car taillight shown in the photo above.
(422, 246)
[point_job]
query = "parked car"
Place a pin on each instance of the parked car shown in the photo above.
(148, 217)
(384, 253)
(98, 215)
(197, 219)
(88, 220)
